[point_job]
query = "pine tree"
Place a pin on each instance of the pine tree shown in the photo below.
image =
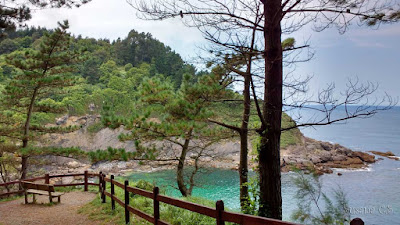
(179, 119)
(41, 74)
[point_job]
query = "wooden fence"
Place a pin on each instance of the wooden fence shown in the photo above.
(221, 216)
(46, 179)
(218, 212)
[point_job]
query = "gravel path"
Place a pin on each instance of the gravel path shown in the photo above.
(17, 213)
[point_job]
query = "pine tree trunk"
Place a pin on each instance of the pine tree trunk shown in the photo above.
(24, 166)
(180, 169)
(180, 178)
(243, 173)
(243, 165)
(269, 156)
(24, 161)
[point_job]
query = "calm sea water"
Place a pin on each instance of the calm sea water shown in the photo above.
(374, 193)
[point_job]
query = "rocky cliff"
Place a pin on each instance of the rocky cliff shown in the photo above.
(309, 154)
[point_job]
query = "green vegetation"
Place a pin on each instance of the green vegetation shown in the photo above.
(292, 136)
(40, 71)
(95, 127)
(109, 82)
(181, 121)
(315, 207)
(110, 154)
(39, 67)
(10, 198)
(72, 151)
(229, 113)
(92, 189)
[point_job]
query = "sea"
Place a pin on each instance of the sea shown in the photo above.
(373, 193)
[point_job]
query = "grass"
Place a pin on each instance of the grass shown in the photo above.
(76, 188)
(11, 198)
(103, 213)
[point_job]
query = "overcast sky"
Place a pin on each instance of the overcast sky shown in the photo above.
(370, 54)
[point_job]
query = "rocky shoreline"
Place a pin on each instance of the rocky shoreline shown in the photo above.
(323, 157)
(320, 157)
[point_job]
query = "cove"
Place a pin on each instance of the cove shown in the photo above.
(364, 189)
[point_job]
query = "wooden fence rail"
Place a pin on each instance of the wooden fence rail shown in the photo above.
(46, 178)
(218, 213)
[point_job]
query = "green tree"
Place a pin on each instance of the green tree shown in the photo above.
(8, 46)
(137, 74)
(90, 70)
(41, 73)
(138, 48)
(107, 70)
(178, 118)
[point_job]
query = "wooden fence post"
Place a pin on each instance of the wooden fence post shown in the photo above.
(112, 193)
(86, 180)
(127, 217)
(220, 208)
(104, 188)
(47, 178)
(100, 174)
(156, 205)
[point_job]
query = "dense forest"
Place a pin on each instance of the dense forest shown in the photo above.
(111, 70)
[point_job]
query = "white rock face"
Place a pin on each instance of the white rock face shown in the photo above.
(73, 164)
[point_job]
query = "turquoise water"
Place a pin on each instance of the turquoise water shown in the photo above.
(216, 184)
(374, 194)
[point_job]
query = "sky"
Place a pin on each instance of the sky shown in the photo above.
(368, 54)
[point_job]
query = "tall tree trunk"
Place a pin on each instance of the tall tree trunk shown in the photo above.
(243, 165)
(24, 166)
(180, 169)
(179, 173)
(196, 169)
(269, 156)
(24, 161)
(244, 132)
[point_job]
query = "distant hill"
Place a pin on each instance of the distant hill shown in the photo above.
(131, 51)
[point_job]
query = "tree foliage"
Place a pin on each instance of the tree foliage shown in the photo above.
(40, 74)
(315, 206)
(179, 119)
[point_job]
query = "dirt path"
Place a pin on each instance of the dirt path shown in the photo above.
(17, 213)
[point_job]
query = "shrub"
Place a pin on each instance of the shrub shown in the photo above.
(110, 154)
(311, 211)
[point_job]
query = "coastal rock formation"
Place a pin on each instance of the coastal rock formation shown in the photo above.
(310, 154)
(388, 154)
(322, 157)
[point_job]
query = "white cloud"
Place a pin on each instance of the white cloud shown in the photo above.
(392, 30)
(113, 19)
(367, 43)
